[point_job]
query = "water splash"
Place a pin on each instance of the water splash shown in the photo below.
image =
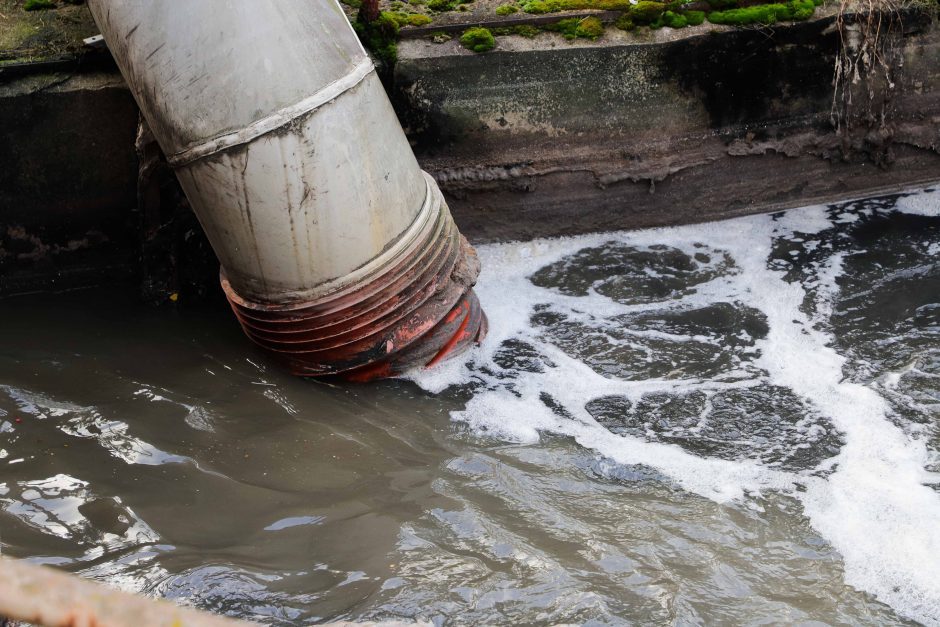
(720, 356)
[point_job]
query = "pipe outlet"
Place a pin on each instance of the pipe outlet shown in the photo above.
(338, 254)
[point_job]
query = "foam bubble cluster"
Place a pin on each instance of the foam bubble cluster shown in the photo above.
(769, 353)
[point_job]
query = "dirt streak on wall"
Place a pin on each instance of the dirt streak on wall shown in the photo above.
(538, 137)
(528, 141)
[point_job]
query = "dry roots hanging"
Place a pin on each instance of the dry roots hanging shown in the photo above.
(866, 70)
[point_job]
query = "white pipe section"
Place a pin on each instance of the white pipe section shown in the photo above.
(280, 133)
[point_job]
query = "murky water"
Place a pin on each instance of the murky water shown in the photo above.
(727, 423)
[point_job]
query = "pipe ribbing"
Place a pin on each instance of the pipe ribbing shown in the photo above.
(290, 154)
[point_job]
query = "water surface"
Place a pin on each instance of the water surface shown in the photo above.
(736, 422)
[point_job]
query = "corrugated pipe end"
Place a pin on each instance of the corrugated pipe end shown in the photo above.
(416, 311)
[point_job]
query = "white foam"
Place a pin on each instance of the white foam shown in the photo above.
(873, 508)
(920, 204)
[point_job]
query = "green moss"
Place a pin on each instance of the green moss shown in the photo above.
(38, 5)
(764, 13)
(625, 22)
(381, 36)
(650, 12)
(646, 12)
(537, 7)
(567, 27)
(400, 18)
(572, 28)
(525, 30)
(694, 18)
(506, 9)
(673, 20)
(802, 9)
(441, 5)
(589, 28)
(553, 6)
(31, 36)
(478, 39)
(418, 19)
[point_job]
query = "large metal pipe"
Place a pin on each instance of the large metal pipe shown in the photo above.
(338, 253)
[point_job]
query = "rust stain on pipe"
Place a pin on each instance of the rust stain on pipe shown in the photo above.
(375, 279)
(414, 314)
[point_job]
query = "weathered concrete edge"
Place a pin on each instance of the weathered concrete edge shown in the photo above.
(517, 165)
(511, 186)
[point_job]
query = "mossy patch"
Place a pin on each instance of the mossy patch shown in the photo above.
(553, 6)
(380, 36)
(506, 9)
(526, 30)
(625, 22)
(448, 5)
(418, 19)
(674, 20)
(646, 11)
(673, 14)
(38, 5)
(30, 36)
(572, 28)
(567, 27)
(523, 30)
(478, 39)
(590, 28)
(765, 13)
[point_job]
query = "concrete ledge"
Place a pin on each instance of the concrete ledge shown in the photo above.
(538, 137)
(548, 137)
(68, 180)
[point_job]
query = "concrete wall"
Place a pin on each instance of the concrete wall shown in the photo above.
(68, 181)
(531, 139)
(538, 137)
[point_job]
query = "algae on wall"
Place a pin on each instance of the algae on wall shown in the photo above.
(30, 36)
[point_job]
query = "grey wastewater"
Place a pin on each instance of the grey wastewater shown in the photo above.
(730, 422)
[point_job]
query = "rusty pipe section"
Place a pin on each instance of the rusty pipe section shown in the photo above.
(338, 254)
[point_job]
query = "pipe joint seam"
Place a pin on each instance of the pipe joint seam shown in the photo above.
(415, 310)
(276, 120)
